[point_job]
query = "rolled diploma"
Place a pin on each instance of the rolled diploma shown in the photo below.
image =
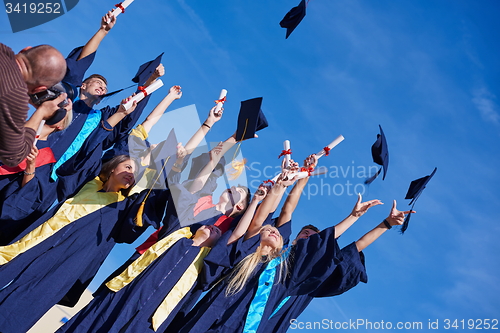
(140, 96)
(117, 11)
(286, 146)
(334, 143)
(223, 94)
(38, 132)
(303, 174)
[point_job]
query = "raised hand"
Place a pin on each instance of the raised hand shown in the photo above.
(261, 193)
(213, 116)
(175, 92)
(284, 178)
(108, 21)
(362, 207)
(159, 72)
(122, 109)
(181, 152)
(397, 217)
(311, 161)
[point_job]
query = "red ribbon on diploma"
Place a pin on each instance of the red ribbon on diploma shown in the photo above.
(119, 5)
(269, 181)
(220, 100)
(308, 170)
(327, 150)
(285, 152)
(143, 90)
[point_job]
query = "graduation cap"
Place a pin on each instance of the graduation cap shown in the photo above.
(416, 188)
(293, 18)
(380, 155)
(142, 75)
(146, 70)
(250, 119)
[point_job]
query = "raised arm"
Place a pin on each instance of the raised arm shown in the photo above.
(245, 220)
(396, 217)
(197, 137)
(293, 198)
(269, 204)
(96, 40)
(151, 120)
(121, 113)
(359, 209)
(159, 72)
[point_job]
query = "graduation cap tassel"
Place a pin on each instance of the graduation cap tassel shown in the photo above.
(372, 178)
(405, 223)
(138, 217)
(238, 166)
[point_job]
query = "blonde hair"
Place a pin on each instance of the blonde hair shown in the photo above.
(245, 268)
(68, 119)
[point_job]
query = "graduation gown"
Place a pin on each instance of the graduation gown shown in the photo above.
(22, 206)
(311, 261)
(131, 308)
(61, 266)
(86, 119)
(348, 273)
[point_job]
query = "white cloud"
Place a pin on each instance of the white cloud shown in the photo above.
(484, 101)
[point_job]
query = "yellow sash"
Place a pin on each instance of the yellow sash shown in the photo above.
(87, 201)
(150, 255)
(180, 289)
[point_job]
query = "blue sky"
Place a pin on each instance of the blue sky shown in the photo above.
(426, 71)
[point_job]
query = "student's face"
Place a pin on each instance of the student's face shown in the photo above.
(305, 234)
(209, 234)
(270, 236)
(123, 174)
(95, 87)
(237, 196)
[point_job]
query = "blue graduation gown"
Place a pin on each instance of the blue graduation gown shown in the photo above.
(131, 308)
(348, 273)
(219, 264)
(62, 266)
(75, 75)
(314, 260)
(22, 206)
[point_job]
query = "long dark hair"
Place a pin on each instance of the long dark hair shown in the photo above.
(110, 165)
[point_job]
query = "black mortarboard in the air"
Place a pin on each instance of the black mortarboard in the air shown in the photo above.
(142, 75)
(250, 119)
(146, 70)
(414, 191)
(380, 155)
(293, 18)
